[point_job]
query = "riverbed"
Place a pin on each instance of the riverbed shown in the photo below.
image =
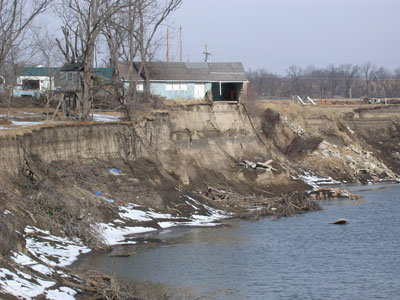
(302, 257)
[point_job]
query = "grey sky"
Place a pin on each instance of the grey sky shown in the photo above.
(274, 34)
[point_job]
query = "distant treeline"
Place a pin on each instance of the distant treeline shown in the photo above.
(344, 81)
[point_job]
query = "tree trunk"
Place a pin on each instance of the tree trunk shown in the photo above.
(86, 91)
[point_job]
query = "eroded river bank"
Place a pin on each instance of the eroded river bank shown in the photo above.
(68, 188)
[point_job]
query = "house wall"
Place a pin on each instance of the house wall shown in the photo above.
(186, 90)
(45, 82)
(172, 92)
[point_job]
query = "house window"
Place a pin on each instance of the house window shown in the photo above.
(168, 87)
(175, 86)
(139, 87)
(30, 84)
(183, 87)
(69, 76)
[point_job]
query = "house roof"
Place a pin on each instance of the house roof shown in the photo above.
(106, 73)
(201, 71)
(72, 67)
(37, 71)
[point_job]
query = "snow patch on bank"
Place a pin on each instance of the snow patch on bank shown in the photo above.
(26, 123)
(315, 181)
(25, 286)
(22, 285)
(105, 118)
(115, 233)
(129, 212)
(45, 251)
(51, 249)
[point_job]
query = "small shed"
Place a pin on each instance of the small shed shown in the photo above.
(224, 81)
(70, 78)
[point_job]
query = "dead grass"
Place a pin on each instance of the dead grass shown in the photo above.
(70, 212)
(5, 121)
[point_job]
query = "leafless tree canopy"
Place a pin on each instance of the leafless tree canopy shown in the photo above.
(128, 26)
(343, 81)
(15, 17)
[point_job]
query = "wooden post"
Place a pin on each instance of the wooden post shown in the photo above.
(58, 107)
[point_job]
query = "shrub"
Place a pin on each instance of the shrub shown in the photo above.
(269, 121)
(302, 145)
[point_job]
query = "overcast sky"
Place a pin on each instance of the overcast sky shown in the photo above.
(274, 34)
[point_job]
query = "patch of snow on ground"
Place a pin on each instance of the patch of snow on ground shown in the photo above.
(25, 260)
(105, 118)
(116, 235)
(155, 215)
(167, 224)
(64, 293)
(53, 250)
(22, 285)
(316, 181)
(129, 213)
(195, 207)
(199, 220)
(26, 123)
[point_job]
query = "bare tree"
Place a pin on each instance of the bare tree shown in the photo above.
(83, 22)
(350, 73)
(368, 70)
(142, 18)
(294, 73)
(15, 17)
(48, 54)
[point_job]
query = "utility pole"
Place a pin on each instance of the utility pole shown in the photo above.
(180, 45)
(207, 54)
(167, 44)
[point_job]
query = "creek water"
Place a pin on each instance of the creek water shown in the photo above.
(302, 257)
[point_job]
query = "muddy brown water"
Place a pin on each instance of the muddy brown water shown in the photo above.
(302, 257)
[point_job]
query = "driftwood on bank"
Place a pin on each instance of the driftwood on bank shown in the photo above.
(254, 207)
